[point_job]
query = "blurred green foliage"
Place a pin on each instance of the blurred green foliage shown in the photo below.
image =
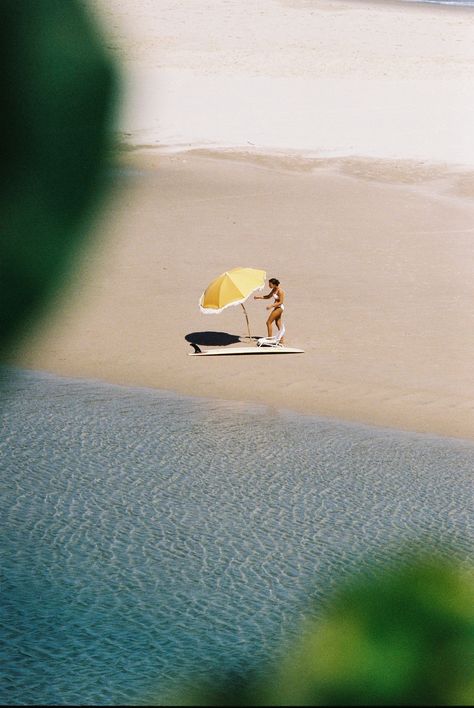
(57, 85)
(402, 637)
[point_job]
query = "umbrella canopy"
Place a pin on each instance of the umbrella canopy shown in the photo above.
(232, 288)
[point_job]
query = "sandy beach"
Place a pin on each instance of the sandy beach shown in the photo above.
(365, 212)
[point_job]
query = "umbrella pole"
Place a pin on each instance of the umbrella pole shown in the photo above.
(246, 317)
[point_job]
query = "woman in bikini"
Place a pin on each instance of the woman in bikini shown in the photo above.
(277, 308)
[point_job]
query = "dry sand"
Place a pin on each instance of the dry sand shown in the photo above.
(375, 253)
(376, 259)
(330, 77)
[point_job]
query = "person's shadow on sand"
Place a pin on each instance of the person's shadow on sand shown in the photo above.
(212, 339)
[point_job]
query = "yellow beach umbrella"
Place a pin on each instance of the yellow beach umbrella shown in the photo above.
(232, 288)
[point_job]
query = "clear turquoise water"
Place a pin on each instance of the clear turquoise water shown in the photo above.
(147, 535)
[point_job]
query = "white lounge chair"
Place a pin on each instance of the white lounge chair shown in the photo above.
(272, 341)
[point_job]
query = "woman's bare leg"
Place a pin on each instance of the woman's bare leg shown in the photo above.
(269, 327)
(275, 316)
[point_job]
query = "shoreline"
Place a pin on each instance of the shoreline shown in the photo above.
(416, 3)
(280, 410)
(380, 267)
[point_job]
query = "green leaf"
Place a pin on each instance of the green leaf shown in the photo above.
(57, 87)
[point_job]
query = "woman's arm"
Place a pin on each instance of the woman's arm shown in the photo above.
(263, 297)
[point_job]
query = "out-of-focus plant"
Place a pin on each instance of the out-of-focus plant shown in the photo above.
(402, 637)
(57, 84)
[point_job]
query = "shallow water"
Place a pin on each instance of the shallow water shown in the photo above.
(146, 535)
(461, 3)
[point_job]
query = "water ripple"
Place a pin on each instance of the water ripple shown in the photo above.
(145, 535)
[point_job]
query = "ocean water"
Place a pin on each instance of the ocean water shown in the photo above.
(148, 536)
(463, 3)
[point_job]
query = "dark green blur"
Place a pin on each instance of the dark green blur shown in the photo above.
(57, 85)
(404, 636)
(401, 637)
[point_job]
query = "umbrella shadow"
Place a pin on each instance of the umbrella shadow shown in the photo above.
(212, 339)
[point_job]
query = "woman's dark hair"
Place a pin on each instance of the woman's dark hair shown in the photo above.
(274, 281)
